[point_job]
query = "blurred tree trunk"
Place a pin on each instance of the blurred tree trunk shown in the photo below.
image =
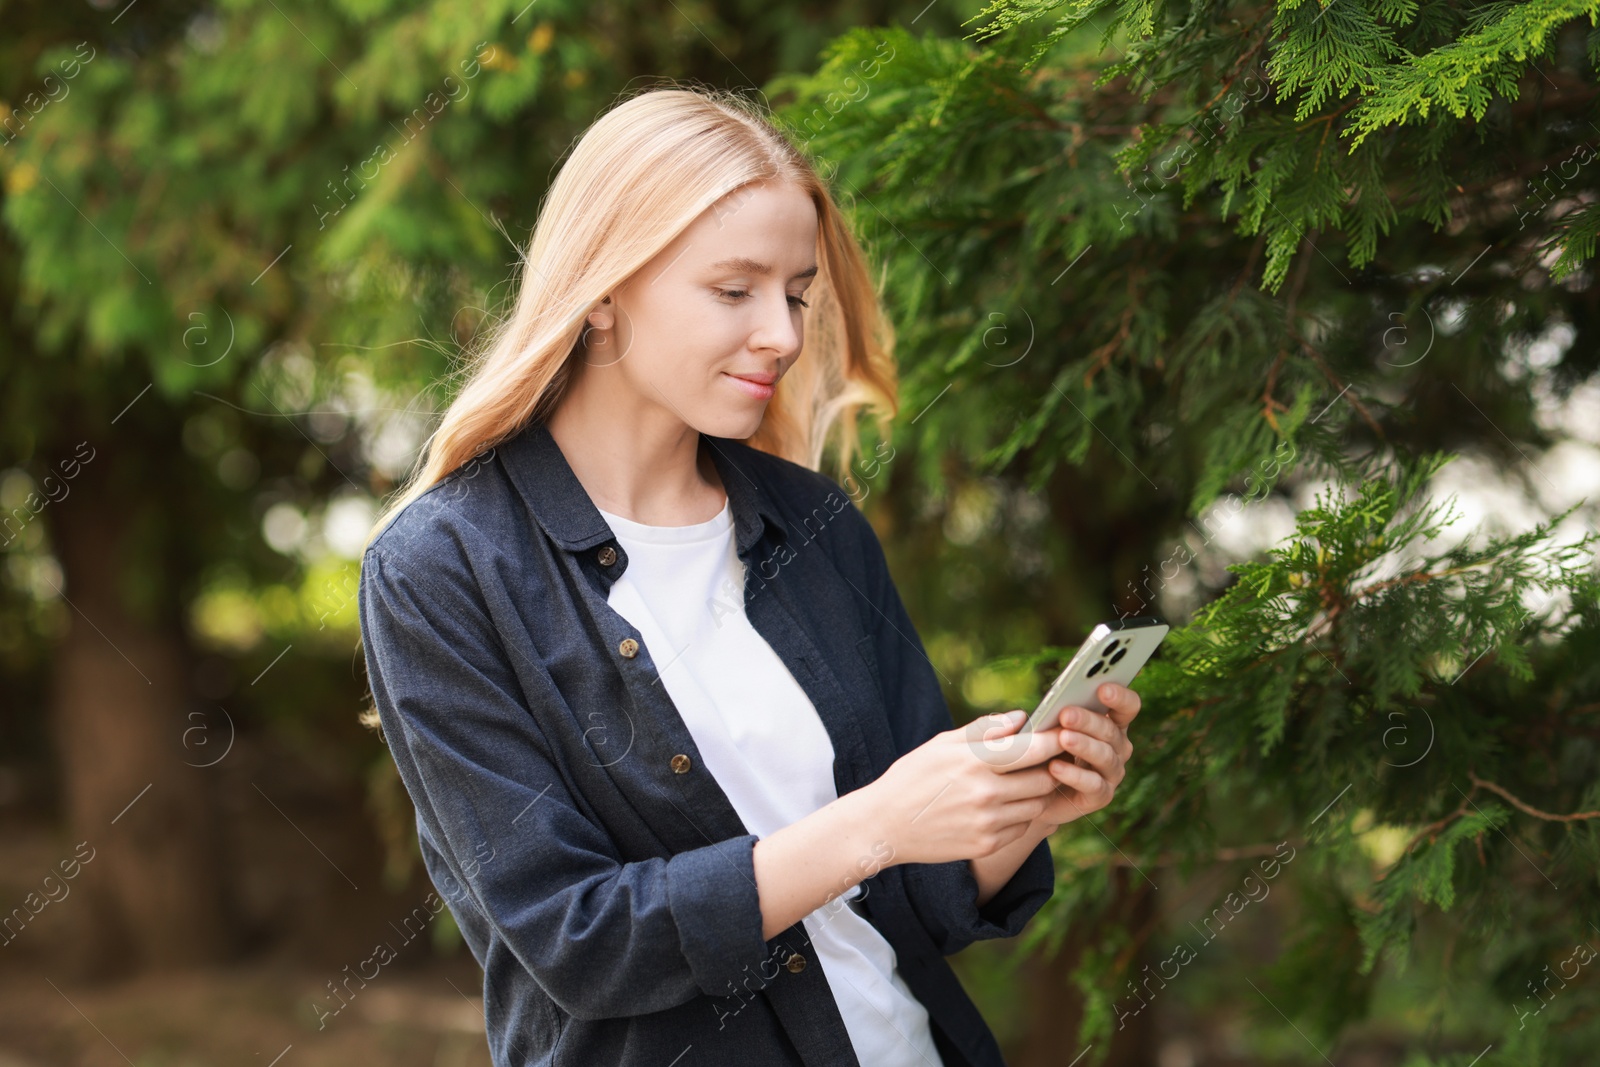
(1055, 1008)
(1112, 532)
(153, 887)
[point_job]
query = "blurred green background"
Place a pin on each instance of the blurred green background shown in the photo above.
(1276, 320)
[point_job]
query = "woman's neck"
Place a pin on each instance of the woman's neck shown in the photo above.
(656, 475)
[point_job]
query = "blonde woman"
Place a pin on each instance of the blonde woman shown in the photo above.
(682, 770)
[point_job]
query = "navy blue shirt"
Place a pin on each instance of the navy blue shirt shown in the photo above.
(597, 871)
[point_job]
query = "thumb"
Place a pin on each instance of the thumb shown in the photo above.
(1000, 723)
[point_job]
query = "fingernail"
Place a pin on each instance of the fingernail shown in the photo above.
(1014, 718)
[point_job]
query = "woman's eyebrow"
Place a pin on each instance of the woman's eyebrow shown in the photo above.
(747, 265)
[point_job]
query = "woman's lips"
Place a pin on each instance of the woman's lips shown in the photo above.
(752, 388)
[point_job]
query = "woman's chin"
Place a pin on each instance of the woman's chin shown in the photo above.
(735, 425)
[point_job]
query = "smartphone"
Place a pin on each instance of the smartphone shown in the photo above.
(1115, 652)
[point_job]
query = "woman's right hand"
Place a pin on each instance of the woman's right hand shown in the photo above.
(966, 792)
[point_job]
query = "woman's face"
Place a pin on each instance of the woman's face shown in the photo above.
(699, 329)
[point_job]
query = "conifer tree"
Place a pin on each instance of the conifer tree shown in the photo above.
(1156, 259)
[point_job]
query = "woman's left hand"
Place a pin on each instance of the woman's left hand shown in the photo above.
(1100, 744)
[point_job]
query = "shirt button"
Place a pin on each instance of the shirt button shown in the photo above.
(607, 556)
(796, 964)
(680, 763)
(629, 647)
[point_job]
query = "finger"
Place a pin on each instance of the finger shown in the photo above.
(994, 719)
(1020, 812)
(990, 733)
(1080, 719)
(1124, 703)
(1013, 832)
(1097, 755)
(1075, 719)
(1040, 745)
(1027, 784)
(1006, 751)
(1093, 752)
(994, 738)
(1073, 782)
(1093, 790)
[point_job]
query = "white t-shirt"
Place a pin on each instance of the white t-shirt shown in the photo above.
(761, 738)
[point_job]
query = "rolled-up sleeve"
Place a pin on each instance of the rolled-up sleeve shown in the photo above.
(605, 938)
(943, 895)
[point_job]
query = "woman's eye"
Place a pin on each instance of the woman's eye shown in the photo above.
(794, 301)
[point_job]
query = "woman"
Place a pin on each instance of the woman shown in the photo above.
(681, 767)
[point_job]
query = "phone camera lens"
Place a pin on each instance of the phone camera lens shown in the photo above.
(1112, 647)
(1119, 655)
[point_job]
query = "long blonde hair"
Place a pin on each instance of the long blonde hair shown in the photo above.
(636, 179)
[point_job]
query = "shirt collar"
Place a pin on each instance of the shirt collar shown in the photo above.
(559, 502)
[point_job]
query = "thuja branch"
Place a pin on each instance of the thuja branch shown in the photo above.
(1523, 806)
(1418, 576)
(1327, 372)
(1431, 831)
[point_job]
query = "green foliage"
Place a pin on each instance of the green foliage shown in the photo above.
(1145, 260)
(1467, 74)
(1148, 259)
(1305, 678)
(1321, 961)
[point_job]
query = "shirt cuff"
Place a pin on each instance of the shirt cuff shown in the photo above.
(712, 893)
(1009, 910)
(946, 897)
